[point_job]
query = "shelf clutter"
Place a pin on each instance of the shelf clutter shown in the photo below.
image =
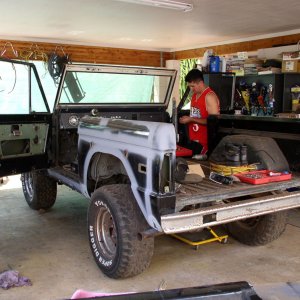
(291, 62)
(266, 88)
(262, 87)
(241, 64)
(253, 66)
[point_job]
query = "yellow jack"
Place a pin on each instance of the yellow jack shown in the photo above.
(216, 238)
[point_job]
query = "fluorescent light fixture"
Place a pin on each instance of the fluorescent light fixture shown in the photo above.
(182, 6)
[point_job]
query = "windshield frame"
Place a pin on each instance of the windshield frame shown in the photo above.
(116, 69)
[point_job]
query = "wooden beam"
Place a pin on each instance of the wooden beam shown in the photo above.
(237, 47)
(85, 54)
(107, 55)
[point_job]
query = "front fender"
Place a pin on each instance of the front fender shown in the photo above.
(147, 152)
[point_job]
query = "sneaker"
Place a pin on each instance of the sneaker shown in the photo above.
(200, 157)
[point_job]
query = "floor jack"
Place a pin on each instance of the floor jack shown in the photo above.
(208, 237)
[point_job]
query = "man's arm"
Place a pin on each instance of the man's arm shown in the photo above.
(188, 119)
(212, 104)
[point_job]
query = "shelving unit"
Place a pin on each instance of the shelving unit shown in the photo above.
(223, 85)
(275, 79)
(290, 79)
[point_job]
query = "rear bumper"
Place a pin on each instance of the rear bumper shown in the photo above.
(224, 213)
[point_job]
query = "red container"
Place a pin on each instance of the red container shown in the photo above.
(262, 176)
(181, 151)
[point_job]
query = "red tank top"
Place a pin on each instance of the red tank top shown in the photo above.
(198, 132)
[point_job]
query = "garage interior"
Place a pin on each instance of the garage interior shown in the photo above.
(51, 248)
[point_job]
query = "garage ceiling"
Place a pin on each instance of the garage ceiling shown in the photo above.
(127, 25)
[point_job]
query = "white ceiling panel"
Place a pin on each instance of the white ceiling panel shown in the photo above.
(127, 25)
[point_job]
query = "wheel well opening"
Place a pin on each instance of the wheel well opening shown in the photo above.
(105, 169)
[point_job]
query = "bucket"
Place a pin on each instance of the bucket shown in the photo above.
(214, 64)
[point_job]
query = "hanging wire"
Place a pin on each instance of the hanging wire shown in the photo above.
(61, 49)
(7, 44)
(35, 53)
(2, 54)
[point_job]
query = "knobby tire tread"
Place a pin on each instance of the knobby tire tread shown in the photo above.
(268, 228)
(44, 191)
(135, 254)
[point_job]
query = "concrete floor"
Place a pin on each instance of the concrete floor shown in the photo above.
(52, 250)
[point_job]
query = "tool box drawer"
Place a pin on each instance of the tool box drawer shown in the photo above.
(263, 176)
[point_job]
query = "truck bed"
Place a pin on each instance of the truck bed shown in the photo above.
(202, 205)
(208, 191)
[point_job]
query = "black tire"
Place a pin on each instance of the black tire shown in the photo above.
(39, 190)
(259, 230)
(114, 223)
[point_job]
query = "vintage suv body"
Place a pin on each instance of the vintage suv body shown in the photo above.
(110, 138)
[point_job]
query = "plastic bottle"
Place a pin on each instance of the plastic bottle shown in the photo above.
(223, 64)
(214, 64)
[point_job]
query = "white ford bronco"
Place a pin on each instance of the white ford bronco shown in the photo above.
(110, 137)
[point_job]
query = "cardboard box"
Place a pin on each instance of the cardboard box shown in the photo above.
(291, 66)
(290, 55)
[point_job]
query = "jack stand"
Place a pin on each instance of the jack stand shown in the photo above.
(221, 239)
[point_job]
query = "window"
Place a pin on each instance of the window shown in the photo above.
(106, 88)
(20, 92)
(49, 87)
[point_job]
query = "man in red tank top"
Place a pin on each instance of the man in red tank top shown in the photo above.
(204, 102)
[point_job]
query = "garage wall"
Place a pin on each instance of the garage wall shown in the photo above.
(106, 55)
(88, 54)
(236, 47)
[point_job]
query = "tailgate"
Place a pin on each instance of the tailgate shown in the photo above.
(208, 204)
(208, 191)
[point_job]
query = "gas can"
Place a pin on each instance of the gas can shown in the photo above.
(214, 64)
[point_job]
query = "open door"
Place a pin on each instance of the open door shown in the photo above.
(25, 119)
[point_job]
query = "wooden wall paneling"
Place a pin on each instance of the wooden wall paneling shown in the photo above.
(107, 55)
(242, 46)
(90, 54)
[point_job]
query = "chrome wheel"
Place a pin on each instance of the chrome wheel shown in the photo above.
(114, 224)
(106, 233)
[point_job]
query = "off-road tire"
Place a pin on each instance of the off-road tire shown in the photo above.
(114, 224)
(39, 190)
(259, 230)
